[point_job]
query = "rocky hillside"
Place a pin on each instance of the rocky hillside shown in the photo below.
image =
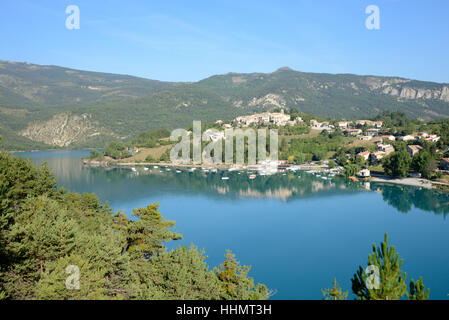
(332, 95)
(65, 128)
(66, 107)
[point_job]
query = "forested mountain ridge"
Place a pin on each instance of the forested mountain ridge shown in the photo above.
(41, 103)
(23, 85)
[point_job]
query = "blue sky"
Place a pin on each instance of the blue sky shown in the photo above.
(191, 40)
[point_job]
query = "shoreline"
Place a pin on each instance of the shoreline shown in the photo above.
(223, 166)
(413, 182)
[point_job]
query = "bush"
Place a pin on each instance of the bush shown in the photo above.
(149, 158)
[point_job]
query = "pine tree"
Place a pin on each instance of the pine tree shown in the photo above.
(145, 236)
(334, 293)
(43, 230)
(236, 283)
(391, 284)
(52, 284)
(418, 291)
(178, 274)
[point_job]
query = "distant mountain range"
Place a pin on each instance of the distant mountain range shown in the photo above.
(50, 105)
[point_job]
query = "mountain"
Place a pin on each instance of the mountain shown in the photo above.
(58, 106)
(27, 85)
(34, 93)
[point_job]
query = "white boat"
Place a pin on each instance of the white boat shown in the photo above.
(214, 170)
(224, 178)
(178, 171)
(168, 169)
(145, 168)
(192, 169)
(133, 169)
(155, 167)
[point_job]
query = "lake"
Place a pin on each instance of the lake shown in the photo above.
(298, 231)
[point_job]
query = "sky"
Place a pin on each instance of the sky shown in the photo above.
(191, 40)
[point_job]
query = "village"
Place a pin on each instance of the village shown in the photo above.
(372, 139)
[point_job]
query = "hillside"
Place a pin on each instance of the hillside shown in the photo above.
(23, 85)
(65, 107)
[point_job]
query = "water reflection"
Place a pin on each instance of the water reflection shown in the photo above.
(118, 184)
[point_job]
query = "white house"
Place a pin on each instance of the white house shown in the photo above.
(388, 137)
(365, 138)
(364, 154)
(364, 173)
(407, 138)
(344, 124)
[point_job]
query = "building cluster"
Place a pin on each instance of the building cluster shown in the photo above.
(359, 124)
(213, 134)
(375, 157)
(355, 128)
(266, 118)
(320, 125)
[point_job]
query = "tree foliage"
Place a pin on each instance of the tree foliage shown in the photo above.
(424, 163)
(387, 282)
(335, 292)
(397, 164)
(235, 281)
(45, 229)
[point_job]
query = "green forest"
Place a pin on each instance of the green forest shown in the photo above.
(45, 229)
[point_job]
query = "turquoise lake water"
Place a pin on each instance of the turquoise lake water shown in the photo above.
(297, 231)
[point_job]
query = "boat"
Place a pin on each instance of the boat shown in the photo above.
(192, 169)
(224, 178)
(178, 171)
(145, 168)
(252, 176)
(133, 169)
(155, 167)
